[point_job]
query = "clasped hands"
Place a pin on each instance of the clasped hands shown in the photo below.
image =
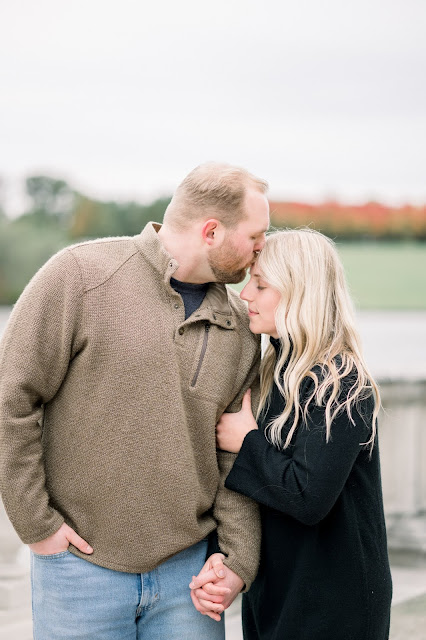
(215, 587)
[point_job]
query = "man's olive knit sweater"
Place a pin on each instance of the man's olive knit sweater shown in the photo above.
(108, 405)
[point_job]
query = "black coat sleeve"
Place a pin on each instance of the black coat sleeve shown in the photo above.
(304, 480)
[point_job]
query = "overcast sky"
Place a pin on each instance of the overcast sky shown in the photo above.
(322, 98)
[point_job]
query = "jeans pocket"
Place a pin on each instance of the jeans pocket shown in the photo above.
(50, 556)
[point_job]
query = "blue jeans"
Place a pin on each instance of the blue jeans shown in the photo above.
(75, 599)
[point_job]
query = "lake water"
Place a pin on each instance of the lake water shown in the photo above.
(394, 342)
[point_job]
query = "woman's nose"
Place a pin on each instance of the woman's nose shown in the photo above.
(244, 294)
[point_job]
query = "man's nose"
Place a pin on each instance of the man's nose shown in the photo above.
(260, 244)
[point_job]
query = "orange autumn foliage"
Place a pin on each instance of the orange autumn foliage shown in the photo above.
(353, 221)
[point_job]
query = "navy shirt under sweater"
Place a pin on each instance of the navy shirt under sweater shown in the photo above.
(192, 294)
(324, 570)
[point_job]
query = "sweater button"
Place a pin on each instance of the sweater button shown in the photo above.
(176, 306)
(181, 331)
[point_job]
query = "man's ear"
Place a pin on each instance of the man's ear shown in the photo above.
(212, 231)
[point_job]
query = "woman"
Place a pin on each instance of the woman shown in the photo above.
(312, 459)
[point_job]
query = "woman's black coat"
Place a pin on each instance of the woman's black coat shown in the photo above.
(324, 570)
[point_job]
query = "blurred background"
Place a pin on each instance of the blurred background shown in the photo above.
(106, 106)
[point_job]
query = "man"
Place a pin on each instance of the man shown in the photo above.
(117, 362)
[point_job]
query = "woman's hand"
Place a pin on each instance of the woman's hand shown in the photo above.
(232, 428)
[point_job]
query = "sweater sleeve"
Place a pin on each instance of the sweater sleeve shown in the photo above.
(304, 480)
(238, 520)
(36, 348)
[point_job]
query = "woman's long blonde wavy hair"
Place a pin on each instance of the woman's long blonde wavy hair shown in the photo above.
(316, 326)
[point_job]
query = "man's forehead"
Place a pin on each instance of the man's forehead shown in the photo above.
(256, 224)
(257, 207)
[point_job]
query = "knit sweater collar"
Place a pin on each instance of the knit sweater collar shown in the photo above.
(215, 307)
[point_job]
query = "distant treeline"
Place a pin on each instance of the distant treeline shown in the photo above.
(353, 222)
(58, 215)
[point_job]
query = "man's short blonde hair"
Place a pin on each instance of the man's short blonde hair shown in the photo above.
(215, 189)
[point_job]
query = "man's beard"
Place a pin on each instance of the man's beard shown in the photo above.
(226, 265)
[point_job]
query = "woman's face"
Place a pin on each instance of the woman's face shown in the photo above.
(262, 303)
